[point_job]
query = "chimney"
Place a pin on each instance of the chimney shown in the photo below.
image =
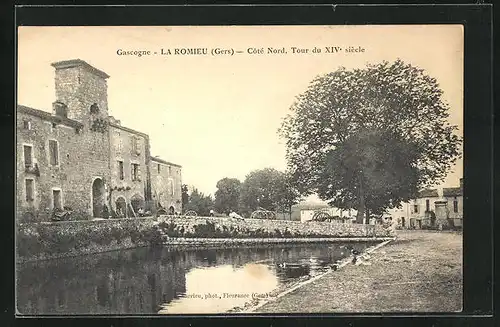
(440, 192)
(60, 109)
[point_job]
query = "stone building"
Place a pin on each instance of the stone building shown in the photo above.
(166, 185)
(78, 156)
(421, 212)
(305, 211)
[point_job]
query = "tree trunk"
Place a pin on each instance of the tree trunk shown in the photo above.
(367, 216)
(361, 205)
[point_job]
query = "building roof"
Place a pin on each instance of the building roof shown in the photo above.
(452, 191)
(156, 159)
(49, 117)
(130, 130)
(310, 206)
(76, 63)
(429, 193)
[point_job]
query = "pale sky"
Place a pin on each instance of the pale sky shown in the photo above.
(218, 116)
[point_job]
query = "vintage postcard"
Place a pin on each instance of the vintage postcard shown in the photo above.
(239, 169)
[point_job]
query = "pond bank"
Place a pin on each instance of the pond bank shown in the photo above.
(49, 240)
(231, 242)
(420, 271)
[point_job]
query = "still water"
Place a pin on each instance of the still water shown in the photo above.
(166, 281)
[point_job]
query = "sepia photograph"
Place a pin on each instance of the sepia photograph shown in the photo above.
(173, 170)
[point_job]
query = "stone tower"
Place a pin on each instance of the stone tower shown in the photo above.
(81, 91)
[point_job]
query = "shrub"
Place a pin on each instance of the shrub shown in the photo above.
(50, 239)
(206, 230)
(171, 229)
(287, 233)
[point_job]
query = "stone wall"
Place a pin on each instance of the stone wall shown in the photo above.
(166, 184)
(295, 228)
(121, 148)
(37, 241)
(82, 157)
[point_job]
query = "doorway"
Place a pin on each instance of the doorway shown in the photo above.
(121, 207)
(98, 195)
(137, 202)
(57, 199)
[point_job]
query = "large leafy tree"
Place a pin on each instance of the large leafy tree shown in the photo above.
(371, 137)
(285, 193)
(268, 189)
(199, 202)
(227, 195)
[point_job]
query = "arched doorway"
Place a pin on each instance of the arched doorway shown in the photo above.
(137, 202)
(171, 210)
(121, 207)
(98, 197)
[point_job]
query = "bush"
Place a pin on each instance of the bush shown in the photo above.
(206, 230)
(171, 229)
(34, 240)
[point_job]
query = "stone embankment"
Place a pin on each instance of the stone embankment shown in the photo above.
(213, 227)
(39, 241)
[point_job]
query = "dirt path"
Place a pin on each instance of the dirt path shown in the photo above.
(421, 271)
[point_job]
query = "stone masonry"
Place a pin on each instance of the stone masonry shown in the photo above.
(71, 157)
(166, 185)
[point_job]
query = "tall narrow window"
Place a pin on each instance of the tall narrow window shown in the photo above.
(455, 205)
(119, 144)
(427, 205)
(171, 187)
(158, 168)
(27, 124)
(415, 208)
(136, 145)
(169, 170)
(135, 172)
(53, 152)
(30, 190)
(121, 174)
(57, 198)
(28, 156)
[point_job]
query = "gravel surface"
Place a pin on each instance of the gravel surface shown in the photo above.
(421, 271)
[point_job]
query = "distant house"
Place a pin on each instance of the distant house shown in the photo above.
(420, 212)
(422, 206)
(455, 203)
(305, 211)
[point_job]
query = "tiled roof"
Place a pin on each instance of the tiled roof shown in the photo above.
(130, 130)
(156, 159)
(452, 191)
(48, 116)
(310, 206)
(429, 193)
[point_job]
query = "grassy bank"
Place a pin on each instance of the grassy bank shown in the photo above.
(421, 272)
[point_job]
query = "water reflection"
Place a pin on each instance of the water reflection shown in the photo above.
(150, 281)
